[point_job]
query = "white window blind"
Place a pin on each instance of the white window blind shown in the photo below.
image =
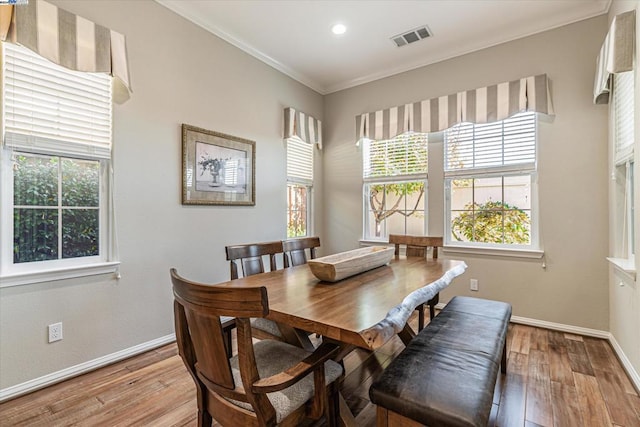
(623, 89)
(403, 155)
(504, 145)
(54, 110)
(299, 161)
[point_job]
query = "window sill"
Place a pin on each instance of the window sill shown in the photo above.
(625, 265)
(499, 252)
(471, 250)
(58, 274)
(374, 243)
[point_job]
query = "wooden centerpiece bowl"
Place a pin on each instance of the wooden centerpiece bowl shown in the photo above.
(339, 266)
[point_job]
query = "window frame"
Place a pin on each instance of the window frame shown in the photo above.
(392, 179)
(384, 237)
(309, 213)
(40, 271)
(624, 166)
(509, 170)
(12, 274)
(306, 182)
(629, 209)
(534, 228)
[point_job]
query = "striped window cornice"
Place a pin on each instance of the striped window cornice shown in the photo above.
(616, 54)
(68, 40)
(303, 126)
(482, 105)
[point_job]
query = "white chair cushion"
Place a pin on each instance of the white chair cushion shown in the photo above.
(273, 357)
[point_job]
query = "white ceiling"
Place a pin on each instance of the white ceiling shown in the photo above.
(295, 36)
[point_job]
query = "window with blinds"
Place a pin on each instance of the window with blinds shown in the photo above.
(489, 183)
(395, 185)
(623, 110)
(299, 185)
(506, 145)
(56, 154)
(53, 110)
(623, 132)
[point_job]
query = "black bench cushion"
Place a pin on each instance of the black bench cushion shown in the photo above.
(447, 374)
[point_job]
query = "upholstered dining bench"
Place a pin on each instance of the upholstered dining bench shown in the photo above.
(447, 374)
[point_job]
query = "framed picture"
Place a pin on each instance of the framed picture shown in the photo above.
(217, 169)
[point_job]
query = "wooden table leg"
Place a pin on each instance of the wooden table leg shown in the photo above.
(346, 416)
(297, 337)
(344, 351)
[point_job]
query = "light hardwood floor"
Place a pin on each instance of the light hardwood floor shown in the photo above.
(553, 379)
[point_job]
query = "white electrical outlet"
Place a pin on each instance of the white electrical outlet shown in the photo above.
(55, 332)
(473, 284)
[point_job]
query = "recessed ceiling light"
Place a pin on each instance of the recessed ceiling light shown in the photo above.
(338, 29)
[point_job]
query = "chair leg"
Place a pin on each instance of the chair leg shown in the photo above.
(332, 410)
(204, 418)
(420, 309)
(432, 311)
(432, 305)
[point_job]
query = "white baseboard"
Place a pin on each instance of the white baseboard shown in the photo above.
(561, 327)
(626, 363)
(73, 371)
(553, 326)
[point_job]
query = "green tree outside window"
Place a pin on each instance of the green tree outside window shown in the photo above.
(56, 208)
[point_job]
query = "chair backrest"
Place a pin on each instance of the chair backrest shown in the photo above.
(201, 344)
(250, 256)
(295, 250)
(416, 245)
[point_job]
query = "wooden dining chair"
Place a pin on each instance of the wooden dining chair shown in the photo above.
(250, 257)
(295, 250)
(417, 246)
(267, 383)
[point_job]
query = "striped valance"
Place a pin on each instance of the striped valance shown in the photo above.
(616, 54)
(68, 40)
(305, 127)
(483, 105)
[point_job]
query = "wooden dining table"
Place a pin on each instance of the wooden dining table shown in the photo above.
(364, 310)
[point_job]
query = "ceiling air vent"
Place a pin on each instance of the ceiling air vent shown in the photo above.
(408, 37)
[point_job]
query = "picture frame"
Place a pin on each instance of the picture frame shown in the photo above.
(217, 169)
